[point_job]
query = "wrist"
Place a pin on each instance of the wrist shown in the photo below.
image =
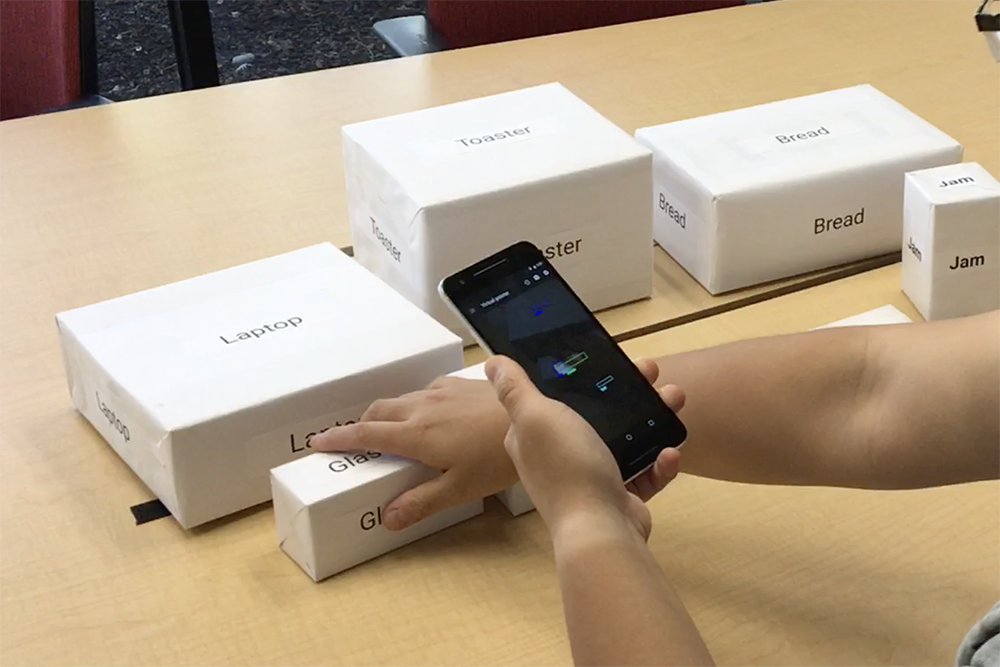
(592, 528)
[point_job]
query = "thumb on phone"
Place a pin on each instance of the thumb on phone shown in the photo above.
(514, 389)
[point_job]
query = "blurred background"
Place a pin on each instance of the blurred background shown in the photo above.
(253, 39)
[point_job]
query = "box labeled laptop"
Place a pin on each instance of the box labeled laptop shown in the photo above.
(951, 239)
(433, 191)
(329, 508)
(767, 192)
(204, 385)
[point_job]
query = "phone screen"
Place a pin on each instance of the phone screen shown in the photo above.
(521, 308)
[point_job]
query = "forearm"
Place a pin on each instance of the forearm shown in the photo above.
(773, 410)
(619, 607)
(872, 407)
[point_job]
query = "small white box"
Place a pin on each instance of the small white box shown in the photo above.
(514, 498)
(328, 509)
(433, 191)
(204, 385)
(951, 239)
(771, 191)
(887, 314)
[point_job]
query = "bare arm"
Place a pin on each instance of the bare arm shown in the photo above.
(874, 407)
(627, 614)
(902, 406)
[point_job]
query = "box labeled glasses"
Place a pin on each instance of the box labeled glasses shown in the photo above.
(951, 238)
(433, 191)
(766, 192)
(329, 509)
(202, 386)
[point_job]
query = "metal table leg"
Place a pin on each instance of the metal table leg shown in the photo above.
(191, 24)
(88, 49)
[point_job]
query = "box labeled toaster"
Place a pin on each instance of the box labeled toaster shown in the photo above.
(433, 191)
(202, 386)
(328, 508)
(951, 239)
(767, 192)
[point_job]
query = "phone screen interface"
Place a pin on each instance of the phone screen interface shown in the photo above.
(533, 318)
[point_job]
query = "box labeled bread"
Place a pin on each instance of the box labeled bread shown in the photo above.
(202, 386)
(329, 508)
(767, 192)
(951, 239)
(433, 191)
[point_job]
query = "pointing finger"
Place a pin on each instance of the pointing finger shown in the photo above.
(386, 437)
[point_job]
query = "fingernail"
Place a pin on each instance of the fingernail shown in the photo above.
(318, 442)
(395, 519)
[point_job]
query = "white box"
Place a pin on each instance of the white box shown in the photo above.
(514, 498)
(887, 314)
(433, 191)
(328, 509)
(771, 191)
(951, 238)
(204, 385)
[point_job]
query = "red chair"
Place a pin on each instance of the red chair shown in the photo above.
(460, 23)
(473, 22)
(48, 56)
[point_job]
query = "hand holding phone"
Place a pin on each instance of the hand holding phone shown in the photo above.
(517, 305)
(564, 465)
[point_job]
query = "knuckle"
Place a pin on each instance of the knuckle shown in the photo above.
(421, 431)
(440, 382)
(506, 390)
(534, 416)
(363, 435)
(376, 410)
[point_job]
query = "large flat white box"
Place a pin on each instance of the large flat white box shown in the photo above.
(951, 238)
(432, 191)
(328, 509)
(204, 385)
(766, 192)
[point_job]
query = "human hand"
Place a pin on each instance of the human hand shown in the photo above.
(454, 425)
(457, 426)
(566, 468)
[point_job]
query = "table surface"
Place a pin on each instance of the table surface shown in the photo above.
(100, 202)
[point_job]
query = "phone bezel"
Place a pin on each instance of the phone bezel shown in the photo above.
(518, 257)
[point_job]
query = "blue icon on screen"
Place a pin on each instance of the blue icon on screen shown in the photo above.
(603, 383)
(539, 308)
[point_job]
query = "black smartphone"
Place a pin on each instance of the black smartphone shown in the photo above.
(517, 305)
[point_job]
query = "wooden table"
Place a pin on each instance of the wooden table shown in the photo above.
(105, 201)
